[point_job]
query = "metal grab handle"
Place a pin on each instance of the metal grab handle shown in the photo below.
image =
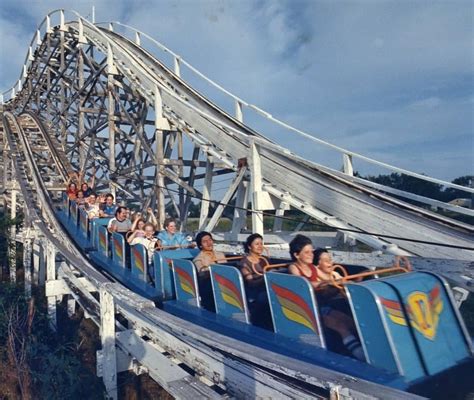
(400, 264)
(273, 266)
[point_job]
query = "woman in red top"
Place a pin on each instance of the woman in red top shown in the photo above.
(301, 251)
(71, 191)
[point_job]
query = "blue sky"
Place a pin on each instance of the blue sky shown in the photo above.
(392, 80)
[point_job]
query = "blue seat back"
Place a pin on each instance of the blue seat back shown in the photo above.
(118, 249)
(187, 254)
(83, 223)
(94, 225)
(139, 262)
(229, 292)
(103, 240)
(185, 282)
(377, 311)
(163, 270)
(65, 203)
(409, 325)
(74, 214)
(294, 309)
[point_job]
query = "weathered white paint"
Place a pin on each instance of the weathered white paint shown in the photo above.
(107, 334)
(51, 276)
(27, 263)
(12, 246)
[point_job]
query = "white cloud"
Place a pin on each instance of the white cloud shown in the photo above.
(361, 74)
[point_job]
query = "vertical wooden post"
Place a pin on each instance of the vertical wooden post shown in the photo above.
(42, 262)
(238, 111)
(62, 118)
(27, 263)
(348, 168)
(51, 276)
(12, 246)
(240, 212)
(107, 335)
(256, 188)
(111, 71)
(36, 249)
(206, 194)
(160, 177)
(279, 212)
(71, 306)
(81, 116)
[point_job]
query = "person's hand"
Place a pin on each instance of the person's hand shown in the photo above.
(149, 210)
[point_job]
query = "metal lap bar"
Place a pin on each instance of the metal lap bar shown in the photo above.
(229, 292)
(186, 282)
(294, 308)
(118, 249)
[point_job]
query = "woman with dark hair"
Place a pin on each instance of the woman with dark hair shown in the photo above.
(302, 254)
(71, 191)
(253, 263)
(207, 255)
(252, 268)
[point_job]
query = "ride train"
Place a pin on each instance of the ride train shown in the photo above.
(412, 334)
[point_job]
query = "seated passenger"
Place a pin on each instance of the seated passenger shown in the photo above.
(207, 255)
(120, 224)
(92, 207)
(148, 240)
(80, 200)
(170, 238)
(71, 191)
(137, 230)
(108, 208)
(251, 267)
(86, 190)
(253, 263)
(301, 252)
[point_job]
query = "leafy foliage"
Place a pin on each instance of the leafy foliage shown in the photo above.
(53, 360)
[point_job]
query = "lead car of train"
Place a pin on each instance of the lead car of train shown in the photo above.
(412, 334)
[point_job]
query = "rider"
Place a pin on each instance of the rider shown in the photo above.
(207, 255)
(170, 238)
(120, 223)
(253, 262)
(301, 252)
(252, 269)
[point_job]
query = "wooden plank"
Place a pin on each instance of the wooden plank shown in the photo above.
(175, 380)
(107, 336)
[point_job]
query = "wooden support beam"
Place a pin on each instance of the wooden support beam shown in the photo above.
(27, 263)
(12, 244)
(51, 276)
(256, 189)
(206, 194)
(226, 199)
(107, 335)
(240, 211)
